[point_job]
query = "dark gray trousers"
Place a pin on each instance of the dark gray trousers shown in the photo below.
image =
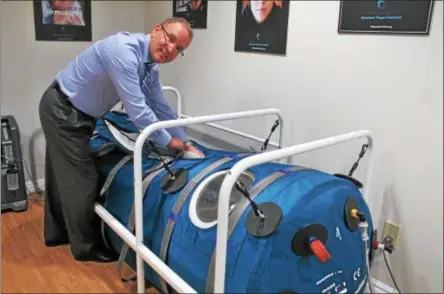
(71, 178)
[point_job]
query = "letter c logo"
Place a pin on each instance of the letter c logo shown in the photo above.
(357, 274)
(380, 4)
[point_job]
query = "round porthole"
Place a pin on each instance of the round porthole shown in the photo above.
(204, 202)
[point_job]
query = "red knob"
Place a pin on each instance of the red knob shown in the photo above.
(320, 251)
(376, 244)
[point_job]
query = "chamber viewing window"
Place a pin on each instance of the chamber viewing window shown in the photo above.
(204, 202)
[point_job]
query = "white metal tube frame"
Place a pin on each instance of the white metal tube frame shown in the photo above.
(142, 252)
(248, 136)
(178, 98)
(222, 128)
(235, 171)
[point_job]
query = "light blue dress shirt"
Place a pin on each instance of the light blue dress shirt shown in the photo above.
(119, 68)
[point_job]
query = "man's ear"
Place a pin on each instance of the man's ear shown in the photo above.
(155, 30)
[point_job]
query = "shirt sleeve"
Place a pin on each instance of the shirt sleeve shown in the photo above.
(163, 110)
(122, 66)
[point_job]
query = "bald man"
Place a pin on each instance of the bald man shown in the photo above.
(122, 67)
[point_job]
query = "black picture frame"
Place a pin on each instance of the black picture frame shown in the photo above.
(409, 17)
(264, 32)
(196, 14)
(46, 30)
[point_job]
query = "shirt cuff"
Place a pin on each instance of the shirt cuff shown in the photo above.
(161, 137)
(182, 135)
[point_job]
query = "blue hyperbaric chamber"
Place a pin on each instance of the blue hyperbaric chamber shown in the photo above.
(316, 248)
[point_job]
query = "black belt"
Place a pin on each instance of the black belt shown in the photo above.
(55, 85)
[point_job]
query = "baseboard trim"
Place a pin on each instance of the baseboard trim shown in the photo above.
(35, 186)
(380, 287)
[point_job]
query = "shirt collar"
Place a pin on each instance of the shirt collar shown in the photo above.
(147, 59)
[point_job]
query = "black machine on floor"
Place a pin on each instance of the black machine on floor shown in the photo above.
(14, 196)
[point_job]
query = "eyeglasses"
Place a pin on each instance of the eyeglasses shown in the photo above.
(172, 39)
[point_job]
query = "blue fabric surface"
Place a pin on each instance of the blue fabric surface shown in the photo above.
(266, 265)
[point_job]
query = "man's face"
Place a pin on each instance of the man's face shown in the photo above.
(167, 41)
(261, 9)
(62, 5)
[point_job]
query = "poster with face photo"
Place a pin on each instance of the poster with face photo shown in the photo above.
(194, 11)
(261, 26)
(62, 20)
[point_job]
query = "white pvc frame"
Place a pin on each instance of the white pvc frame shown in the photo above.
(136, 241)
(226, 129)
(180, 115)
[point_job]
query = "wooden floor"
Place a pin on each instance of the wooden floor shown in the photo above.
(29, 266)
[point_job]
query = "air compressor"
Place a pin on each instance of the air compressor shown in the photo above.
(14, 196)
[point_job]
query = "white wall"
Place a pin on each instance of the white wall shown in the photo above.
(28, 66)
(330, 84)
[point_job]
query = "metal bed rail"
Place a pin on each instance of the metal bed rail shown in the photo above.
(180, 115)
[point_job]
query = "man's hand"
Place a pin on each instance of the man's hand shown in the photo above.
(176, 144)
(195, 153)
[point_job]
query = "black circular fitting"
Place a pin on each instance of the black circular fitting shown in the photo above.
(351, 222)
(262, 227)
(301, 239)
(171, 184)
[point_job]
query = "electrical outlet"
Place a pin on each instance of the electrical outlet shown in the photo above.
(391, 233)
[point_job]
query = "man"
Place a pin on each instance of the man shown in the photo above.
(122, 67)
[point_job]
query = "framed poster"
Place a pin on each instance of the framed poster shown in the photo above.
(62, 20)
(194, 11)
(261, 26)
(385, 16)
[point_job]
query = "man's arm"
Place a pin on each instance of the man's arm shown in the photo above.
(163, 110)
(122, 66)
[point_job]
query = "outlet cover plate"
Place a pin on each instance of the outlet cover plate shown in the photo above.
(393, 230)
